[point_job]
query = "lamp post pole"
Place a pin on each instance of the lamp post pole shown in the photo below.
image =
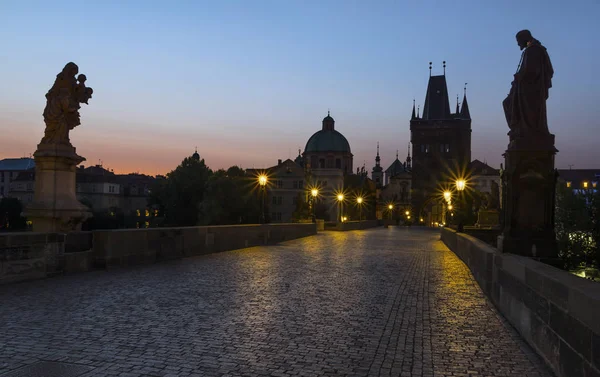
(314, 193)
(460, 187)
(262, 181)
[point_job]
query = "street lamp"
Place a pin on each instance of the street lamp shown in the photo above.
(447, 195)
(340, 198)
(461, 184)
(359, 200)
(314, 192)
(391, 208)
(262, 181)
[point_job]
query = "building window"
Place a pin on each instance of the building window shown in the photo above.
(279, 183)
(585, 185)
(278, 216)
(447, 148)
(274, 200)
(568, 184)
(338, 163)
(426, 148)
(1, 177)
(300, 184)
(594, 184)
(30, 187)
(322, 163)
(423, 148)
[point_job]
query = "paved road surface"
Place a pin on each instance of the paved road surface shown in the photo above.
(382, 302)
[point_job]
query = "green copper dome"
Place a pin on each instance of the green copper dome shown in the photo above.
(324, 141)
(328, 139)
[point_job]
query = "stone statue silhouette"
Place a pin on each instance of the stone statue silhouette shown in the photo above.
(61, 113)
(525, 106)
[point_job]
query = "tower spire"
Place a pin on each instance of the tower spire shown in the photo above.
(430, 69)
(413, 112)
(396, 154)
(457, 111)
(418, 110)
(464, 112)
(444, 63)
(377, 158)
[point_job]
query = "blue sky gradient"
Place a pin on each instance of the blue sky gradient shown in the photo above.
(249, 82)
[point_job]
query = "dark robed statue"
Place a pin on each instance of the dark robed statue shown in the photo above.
(525, 106)
(62, 105)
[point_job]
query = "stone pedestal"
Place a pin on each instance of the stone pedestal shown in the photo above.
(528, 197)
(488, 218)
(55, 207)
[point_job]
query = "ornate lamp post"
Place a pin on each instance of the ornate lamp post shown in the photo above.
(391, 208)
(340, 198)
(314, 193)
(461, 184)
(262, 181)
(359, 200)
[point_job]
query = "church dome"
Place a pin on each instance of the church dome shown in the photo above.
(328, 139)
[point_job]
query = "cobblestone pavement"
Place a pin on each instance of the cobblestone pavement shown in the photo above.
(382, 302)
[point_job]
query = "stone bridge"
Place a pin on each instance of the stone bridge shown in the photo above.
(383, 302)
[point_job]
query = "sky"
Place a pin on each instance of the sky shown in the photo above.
(248, 82)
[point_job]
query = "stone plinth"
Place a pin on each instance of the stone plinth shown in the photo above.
(488, 218)
(55, 207)
(529, 185)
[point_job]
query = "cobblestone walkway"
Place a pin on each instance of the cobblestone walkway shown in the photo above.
(383, 302)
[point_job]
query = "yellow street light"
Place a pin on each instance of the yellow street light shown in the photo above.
(408, 217)
(314, 192)
(461, 184)
(421, 219)
(262, 180)
(407, 213)
(359, 200)
(390, 207)
(340, 197)
(450, 207)
(447, 195)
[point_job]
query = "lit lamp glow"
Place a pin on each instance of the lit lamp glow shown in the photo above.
(359, 200)
(314, 192)
(262, 180)
(461, 184)
(447, 195)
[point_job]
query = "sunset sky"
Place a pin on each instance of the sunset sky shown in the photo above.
(248, 82)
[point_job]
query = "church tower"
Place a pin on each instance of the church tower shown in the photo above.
(377, 173)
(441, 142)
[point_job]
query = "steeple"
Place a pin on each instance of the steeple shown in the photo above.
(377, 159)
(418, 111)
(413, 112)
(408, 158)
(464, 112)
(457, 110)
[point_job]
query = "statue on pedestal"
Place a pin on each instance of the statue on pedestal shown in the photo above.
(55, 207)
(529, 179)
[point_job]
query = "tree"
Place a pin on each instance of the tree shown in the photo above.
(10, 215)
(178, 196)
(303, 208)
(576, 224)
(229, 199)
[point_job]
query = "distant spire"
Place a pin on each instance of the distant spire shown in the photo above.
(408, 154)
(377, 158)
(464, 112)
(377, 149)
(396, 154)
(430, 69)
(328, 112)
(418, 110)
(457, 111)
(444, 63)
(413, 112)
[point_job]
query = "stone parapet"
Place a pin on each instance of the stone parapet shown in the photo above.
(27, 256)
(555, 312)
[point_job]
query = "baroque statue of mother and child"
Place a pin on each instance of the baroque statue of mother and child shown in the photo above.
(63, 100)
